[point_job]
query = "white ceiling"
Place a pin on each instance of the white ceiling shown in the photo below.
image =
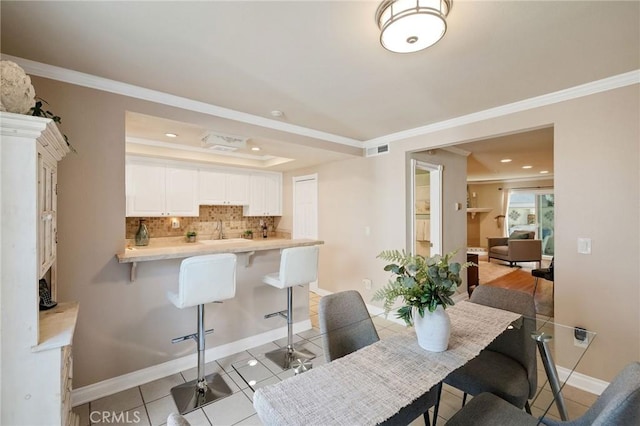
(320, 61)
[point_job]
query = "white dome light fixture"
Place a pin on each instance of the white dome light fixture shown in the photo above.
(411, 25)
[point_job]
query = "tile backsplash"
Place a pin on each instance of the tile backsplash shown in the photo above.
(233, 224)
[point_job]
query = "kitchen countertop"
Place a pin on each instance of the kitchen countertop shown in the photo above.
(178, 248)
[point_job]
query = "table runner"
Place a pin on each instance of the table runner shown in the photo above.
(372, 384)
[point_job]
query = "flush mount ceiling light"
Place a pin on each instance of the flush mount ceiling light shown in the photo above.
(411, 25)
(171, 135)
(505, 160)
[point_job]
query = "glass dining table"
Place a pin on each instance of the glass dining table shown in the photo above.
(348, 387)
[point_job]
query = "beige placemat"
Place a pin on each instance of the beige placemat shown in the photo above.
(374, 383)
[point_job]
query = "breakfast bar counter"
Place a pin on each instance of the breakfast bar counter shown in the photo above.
(172, 248)
(178, 248)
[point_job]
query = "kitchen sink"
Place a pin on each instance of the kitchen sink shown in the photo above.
(224, 241)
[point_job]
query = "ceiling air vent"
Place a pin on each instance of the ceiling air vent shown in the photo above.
(220, 142)
(377, 150)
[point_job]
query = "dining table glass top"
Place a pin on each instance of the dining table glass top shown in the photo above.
(560, 350)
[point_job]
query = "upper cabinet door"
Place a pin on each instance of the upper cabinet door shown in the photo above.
(273, 198)
(223, 188)
(181, 191)
(155, 189)
(237, 189)
(212, 187)
(145, 189)
(265, 195)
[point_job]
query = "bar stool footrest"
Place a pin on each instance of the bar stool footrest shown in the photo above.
(283, 314)
(188, 397)
(283, 357)
(193, 336)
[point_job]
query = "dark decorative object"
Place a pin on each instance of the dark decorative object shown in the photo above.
(45, 296)
(37, 111)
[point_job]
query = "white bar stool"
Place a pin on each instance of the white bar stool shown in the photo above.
(298, 266)
(203, 279)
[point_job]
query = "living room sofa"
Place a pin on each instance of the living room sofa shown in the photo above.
(520, 246)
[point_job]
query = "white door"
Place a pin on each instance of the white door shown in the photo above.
(305, 210)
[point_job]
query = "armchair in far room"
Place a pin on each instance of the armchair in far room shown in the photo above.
(518, 247)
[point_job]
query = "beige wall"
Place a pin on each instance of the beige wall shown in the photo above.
(597, 185)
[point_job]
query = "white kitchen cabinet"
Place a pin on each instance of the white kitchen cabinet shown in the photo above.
(265, 195)
(223, 188)
(47, 225)
(159, 189)
(36, 361)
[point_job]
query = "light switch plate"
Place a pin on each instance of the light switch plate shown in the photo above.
(584, 245)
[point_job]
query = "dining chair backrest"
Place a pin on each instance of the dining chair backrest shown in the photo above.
(345, 324)
(515, 343)
(619, 404)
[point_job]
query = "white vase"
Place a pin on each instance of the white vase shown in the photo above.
(433, 330)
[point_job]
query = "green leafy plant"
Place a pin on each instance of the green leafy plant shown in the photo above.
(422, 283)
(191, 234)
(248, 232)
(38, 111)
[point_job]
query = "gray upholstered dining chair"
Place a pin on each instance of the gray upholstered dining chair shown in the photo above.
(507, 367)
(619, 404)
(346, 326)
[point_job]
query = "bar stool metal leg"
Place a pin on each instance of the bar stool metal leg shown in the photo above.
(283, 357)
(205, 389)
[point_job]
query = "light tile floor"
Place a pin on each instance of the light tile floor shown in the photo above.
(151, 403)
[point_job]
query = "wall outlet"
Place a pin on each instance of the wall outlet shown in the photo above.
(366, 282)
(175, 223)
(580, 337)
(584, 245)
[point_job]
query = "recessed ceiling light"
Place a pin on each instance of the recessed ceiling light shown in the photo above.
(527, 167)
(171, 135)
(255, 148)
(544, 172)
(505, 160)
(277, 113)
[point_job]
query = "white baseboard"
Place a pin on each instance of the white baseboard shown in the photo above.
(136, 378)
(321, 292)
(582, 381)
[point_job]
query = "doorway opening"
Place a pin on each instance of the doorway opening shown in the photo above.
(426, 213)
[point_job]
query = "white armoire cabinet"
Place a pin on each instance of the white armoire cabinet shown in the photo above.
(35, 347)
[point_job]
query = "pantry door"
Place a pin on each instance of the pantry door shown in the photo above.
(305, 210)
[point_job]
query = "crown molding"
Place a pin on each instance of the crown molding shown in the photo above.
(598, 86)
(99, 83)
(94, 82)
